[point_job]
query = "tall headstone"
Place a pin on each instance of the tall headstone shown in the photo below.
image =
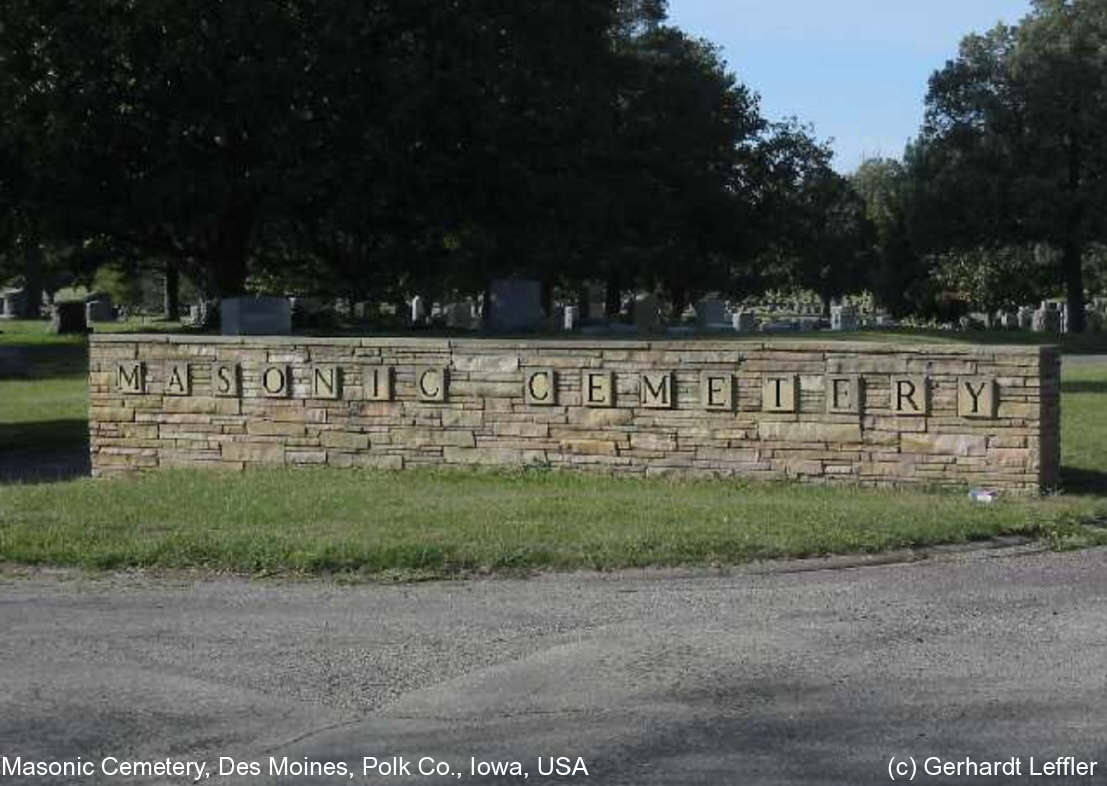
(418, 310)
(710, 313)
(13, 302)
(843, 318)
(68, 317)
(570, 319)
(255, 315)
(459, 316)
(99, 310)
(647, 313)
(516, 305)
(743, 321)
(1026, 318)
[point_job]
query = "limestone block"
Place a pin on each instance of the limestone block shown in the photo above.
(976, 397)
(597, 388)
(809, 432)
(178, 378)
(226, 379)
(261, 452)
(910, 395)
(344, 440)
(656, 390)
(779, 392)
(111, 414)
(431, 383)
(590, 446)
(271, 428)
(945, 444)
(473, 455)
(844, 393)
(130, 377)
(717, 391)
(647, 441)
(497, 362)
(306, 457)
(367, 460)
(462, 417)
(600, 417)
(422, 437)
(540, 387)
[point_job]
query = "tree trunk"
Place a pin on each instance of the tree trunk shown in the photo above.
(32, 283)
(1072, 268)
(227, 266)
(172, 292)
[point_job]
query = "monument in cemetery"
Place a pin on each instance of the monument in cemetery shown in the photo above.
(516, 305)
(255, 315)
(68, 317)
(862, 412)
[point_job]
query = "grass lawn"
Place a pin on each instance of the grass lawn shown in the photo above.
(437, 523)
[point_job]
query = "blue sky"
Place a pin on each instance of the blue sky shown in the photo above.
(856, 69)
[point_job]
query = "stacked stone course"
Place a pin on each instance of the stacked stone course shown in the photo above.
(807, 410)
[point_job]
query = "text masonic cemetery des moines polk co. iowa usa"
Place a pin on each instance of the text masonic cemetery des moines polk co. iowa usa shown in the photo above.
(864, 412)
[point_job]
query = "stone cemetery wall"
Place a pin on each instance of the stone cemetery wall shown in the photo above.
(862, 412)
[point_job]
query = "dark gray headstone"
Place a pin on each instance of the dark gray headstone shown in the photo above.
(255, 316)
(68, 318)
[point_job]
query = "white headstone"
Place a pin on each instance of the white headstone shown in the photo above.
(570, 319)
(418, 310)
(743, 321)
(255, 316)
(1025, 318)
(843, 318)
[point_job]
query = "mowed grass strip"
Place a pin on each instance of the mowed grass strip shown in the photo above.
(444, 522)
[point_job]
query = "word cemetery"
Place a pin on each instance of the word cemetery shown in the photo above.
(868, 413)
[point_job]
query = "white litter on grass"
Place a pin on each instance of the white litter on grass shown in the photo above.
(983, 495)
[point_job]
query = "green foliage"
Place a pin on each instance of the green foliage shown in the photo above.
(1011, 150)
(370, 150)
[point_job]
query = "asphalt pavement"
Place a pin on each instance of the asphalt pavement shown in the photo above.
(784, 673)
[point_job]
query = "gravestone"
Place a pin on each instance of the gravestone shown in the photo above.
(1026, 318)
(710, 313)
(195, 315)
(647, 313)
(570, 319)
(13, 302)
(99, 310)
(459, 315)
(743, 321)
(68, 317)
(1009, 320)
(418, 310)
(516, 305)
(255, 316)
(843, 318)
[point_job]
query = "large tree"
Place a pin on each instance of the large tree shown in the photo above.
(1012, 151)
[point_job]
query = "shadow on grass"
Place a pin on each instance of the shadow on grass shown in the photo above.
(54, 434)
(45, 465)
(1084, 386)
(1084, 481)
